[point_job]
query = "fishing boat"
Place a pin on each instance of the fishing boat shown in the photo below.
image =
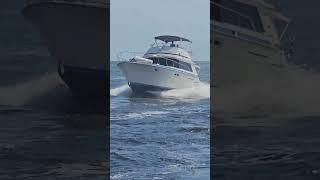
(166, 65)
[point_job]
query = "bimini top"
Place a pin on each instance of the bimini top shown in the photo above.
(167, 38)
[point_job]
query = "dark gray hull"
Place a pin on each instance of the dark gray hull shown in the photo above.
(77, 35)
(142, 88)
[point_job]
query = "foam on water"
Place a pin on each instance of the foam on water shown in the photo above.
(199, 91)
(21, 93)
(294, 93)
(123, 90)
(141, 115)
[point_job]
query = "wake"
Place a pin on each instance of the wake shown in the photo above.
(295, 93)
(36, 89)
(198, 92)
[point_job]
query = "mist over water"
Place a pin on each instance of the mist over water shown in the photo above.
(22, 93)
(294, 93)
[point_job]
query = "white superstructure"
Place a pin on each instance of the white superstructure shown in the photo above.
(164, 66)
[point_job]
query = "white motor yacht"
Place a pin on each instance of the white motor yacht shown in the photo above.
(166, 65)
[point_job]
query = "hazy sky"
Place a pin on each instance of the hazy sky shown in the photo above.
(134, 24)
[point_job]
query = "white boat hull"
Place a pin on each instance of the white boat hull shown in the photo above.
(154, 77)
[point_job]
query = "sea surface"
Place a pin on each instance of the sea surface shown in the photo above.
(162, 137)
(44, 134)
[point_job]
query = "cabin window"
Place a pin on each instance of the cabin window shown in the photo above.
(162, 61)
(155, 60)
(185, 66)
(181, 64)
(175, 63)
(172, 62)
(236, 13)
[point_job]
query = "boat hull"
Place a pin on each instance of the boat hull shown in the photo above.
(78, 38)
(154, 77)
(139, 87)
(243, 71)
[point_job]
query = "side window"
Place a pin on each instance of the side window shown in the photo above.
(182, 65)
(169, 62)
(189, 67)
(155, 60)
(215, 11)
(175, 63)
(185, 66)
(162, 61)
(236, 13)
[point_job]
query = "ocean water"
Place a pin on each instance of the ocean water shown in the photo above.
(44, 134)
(162, 137)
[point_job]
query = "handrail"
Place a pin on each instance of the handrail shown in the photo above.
(237, 13)
(174, 62)
(181, 46)
(122, 55)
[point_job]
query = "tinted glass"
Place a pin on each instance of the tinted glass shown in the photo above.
(162, 61)
(236, 13)
(169, 63)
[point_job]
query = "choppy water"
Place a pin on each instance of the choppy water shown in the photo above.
(163, 137)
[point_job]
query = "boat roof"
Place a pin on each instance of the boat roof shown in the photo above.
(168, 38)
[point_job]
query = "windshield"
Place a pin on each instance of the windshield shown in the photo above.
(178, 44)
(236, 13)
(280, 27)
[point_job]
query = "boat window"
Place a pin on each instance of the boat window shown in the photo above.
(169, 63)
(236, 13)
(180, 64)
(175, 63)
(154, 59)
(185, 66)
(162, 61)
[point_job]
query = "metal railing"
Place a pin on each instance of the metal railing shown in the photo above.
(162, 45)
(127, 55)
(174, 63)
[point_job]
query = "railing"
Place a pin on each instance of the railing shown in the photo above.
(127, 55)
(233, 12)
(162, 45)
(174, 63)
